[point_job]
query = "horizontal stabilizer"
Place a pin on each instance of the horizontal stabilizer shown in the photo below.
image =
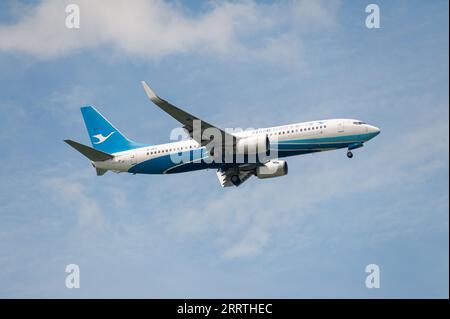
(89, 152)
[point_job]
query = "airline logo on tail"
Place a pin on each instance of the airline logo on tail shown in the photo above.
(102, 138)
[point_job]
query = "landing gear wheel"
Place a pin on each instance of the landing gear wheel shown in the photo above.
(349, 154)
(235, 180)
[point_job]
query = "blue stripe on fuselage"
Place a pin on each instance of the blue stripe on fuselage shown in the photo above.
(164, 164)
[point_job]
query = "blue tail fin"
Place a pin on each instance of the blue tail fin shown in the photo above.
(104, 136)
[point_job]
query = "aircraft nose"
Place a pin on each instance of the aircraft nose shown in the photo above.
(374, 129)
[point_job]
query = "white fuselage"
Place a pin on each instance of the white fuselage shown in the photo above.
(292, 139)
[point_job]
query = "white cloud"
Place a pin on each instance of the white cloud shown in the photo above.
(70, 191)
(153, 29)
(65, 105)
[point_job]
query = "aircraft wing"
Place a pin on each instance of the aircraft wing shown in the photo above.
(188, 120)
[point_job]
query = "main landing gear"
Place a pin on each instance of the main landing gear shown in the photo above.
(236, 180)
(349, 154)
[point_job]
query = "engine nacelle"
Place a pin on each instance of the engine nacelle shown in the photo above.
(273, 168)
(256, 144)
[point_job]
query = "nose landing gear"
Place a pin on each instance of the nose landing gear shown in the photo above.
(353, 146)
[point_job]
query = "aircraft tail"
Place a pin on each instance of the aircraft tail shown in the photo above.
(104, 136)
(92, 154)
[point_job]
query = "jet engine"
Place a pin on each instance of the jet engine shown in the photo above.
(273, 168)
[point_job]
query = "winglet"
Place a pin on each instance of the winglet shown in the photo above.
(150, 93)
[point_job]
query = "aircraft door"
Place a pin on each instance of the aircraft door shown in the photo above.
(341, 127)
(133, 159)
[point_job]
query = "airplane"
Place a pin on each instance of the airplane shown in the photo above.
(236, 156)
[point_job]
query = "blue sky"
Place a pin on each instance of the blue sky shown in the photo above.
(239, 64)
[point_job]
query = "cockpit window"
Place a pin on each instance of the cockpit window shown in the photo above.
(359, 123)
